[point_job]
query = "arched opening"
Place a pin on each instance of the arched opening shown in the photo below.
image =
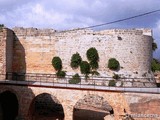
(8, 106)
(46, 107)
(92, 107)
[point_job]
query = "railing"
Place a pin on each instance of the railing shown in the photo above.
(96, 83)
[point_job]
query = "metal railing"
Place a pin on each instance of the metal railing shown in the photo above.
(96, 83)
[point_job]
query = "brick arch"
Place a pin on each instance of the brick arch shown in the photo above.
(45, 106)
(92, 106)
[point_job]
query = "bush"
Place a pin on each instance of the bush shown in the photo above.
(116, 76)
(155, 65)
(95, 73)
(93, 57)
(75, 79)
(61, 74)
(57, 63)
(75, 60)
(112, 83)
(113, 64)
(92, 54)
(154, 46)
(94, 64)
(85, 67)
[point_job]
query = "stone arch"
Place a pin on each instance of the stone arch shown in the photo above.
(93, 107)
(9, 105)
(46, 107)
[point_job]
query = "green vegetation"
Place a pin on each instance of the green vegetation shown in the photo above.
(75, 79)
(85, 67)
(93, 57)
(112, 83)
(154, 46)
(116, 76)
(61, 74)
(94, 73)
(57, 63)
(1, 25)
(113, 64)
(155, 65)
(75, 60)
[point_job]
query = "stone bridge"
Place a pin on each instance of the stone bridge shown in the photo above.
(53, 103)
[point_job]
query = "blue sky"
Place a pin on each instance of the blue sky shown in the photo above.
(69, 14)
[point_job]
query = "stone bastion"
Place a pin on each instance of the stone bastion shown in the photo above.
(30, 50)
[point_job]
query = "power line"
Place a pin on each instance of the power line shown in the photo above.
(116, 21)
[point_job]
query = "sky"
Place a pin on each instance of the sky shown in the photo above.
(70, 14)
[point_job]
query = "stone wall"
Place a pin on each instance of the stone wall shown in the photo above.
(130, 47)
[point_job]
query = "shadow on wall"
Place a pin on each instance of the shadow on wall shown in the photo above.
(46, 107)
(19, 62)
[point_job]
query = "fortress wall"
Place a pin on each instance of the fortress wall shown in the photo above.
(130, 47)
(133, 51)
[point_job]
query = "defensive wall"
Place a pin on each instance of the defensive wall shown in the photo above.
(30, 50)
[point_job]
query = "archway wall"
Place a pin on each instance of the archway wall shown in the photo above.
(69, 97)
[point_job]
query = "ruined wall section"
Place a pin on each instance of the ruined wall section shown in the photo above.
(131, 47)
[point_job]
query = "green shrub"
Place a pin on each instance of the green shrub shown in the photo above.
(57, 63)
(75, 60)
(95, 73)
(112, 83)
(75, 79)
(113, 64)
(85, 67)
(93, 57)
(154, 46)
(61, 74)
(92, 54)
(155, 65)
(116, 76)
(1, 25)
(94, 64)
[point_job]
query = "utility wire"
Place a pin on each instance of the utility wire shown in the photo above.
(116, 21)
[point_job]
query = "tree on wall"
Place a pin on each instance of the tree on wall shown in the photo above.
(155, 65)
(93, 57)
(154, 46)
(113, 64)
(85, 68)
(75, 60)
(57, 64)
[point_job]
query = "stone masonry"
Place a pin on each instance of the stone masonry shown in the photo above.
(32, 50)
(121, 103)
